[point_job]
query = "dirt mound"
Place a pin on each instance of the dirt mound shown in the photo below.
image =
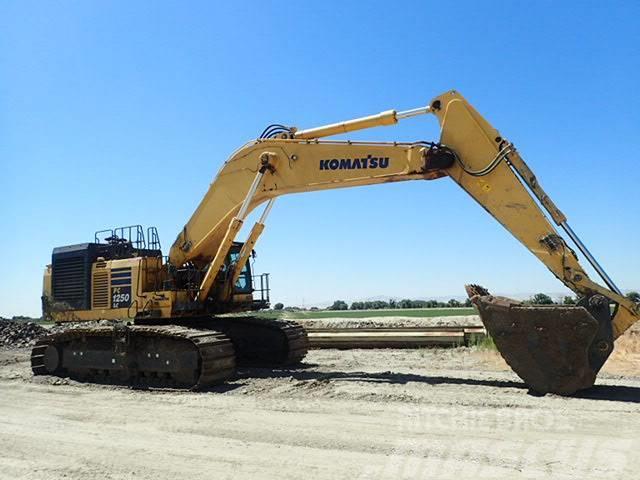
(391, 322)
(62, 327)
(19, 334)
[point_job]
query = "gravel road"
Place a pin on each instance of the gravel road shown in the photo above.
(358, 414)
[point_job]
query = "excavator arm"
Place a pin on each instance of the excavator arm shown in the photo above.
(484, 164)
(554, 349)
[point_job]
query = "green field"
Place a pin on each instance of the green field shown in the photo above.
(396, 312)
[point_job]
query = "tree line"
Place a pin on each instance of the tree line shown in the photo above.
(544, 299)
(404, 303)
(537, 299)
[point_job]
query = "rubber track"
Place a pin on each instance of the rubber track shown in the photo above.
(216, 352)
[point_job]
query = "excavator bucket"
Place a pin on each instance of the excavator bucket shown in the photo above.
(554, 349)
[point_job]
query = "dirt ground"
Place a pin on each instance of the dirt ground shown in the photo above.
(357, 414)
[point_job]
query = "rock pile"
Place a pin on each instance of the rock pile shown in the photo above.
(19, 334)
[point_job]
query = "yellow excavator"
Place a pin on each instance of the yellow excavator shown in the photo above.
(168, 329)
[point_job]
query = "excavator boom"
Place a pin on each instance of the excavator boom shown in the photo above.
(552, 349)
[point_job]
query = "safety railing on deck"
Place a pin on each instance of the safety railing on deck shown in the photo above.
(261, 287)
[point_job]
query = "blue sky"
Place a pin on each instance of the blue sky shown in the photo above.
(115, 113)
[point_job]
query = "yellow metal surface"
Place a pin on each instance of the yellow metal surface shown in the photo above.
(301, 166)
(485, 167)
(305, 164)
(46, 283)
(505, 197)
(219, 259)
(143, 298)
(243, 257)
(381, 119)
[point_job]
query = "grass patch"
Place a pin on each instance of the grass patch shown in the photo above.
(483, 342)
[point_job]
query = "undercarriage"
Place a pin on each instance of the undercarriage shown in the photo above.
(188, 354)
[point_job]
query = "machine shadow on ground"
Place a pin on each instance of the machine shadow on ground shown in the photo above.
(616, 393)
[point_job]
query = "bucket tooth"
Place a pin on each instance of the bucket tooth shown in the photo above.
(554, 349)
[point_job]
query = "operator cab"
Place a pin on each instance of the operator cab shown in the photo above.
(248, 288)
(244, 283)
